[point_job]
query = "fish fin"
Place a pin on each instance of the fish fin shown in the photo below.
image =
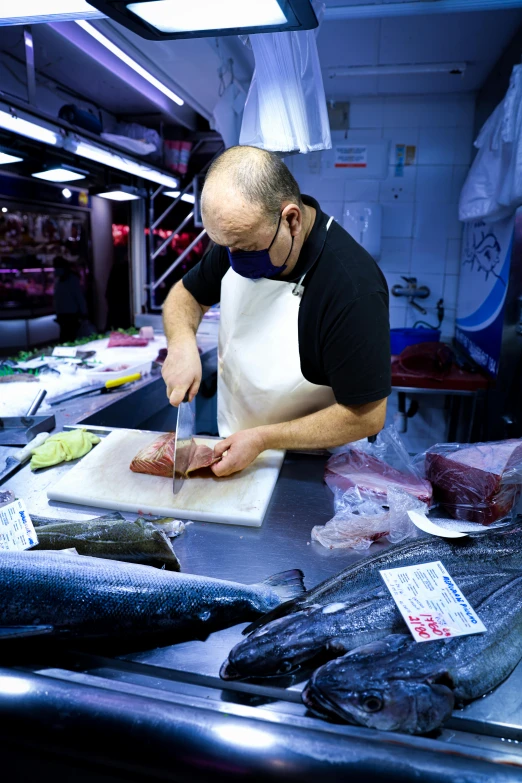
(19, 631)
(280, 611)
(286, 584)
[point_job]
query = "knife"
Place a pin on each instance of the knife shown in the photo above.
(183, 443)
(103, 388)
(12, 464)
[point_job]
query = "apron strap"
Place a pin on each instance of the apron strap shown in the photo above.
(298, 289)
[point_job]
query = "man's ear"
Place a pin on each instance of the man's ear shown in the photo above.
(294, 217)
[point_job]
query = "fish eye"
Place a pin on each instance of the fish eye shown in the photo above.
(371, 702)
(285, 667)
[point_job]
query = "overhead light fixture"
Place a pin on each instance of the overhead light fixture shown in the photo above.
(167, 19)
(66, 193)
(458, 69)
(59, 174)
(5, 157)
(120, 193)
(48, 134)
(30, 11)
(31, 130)
(188, 197)
(4, 209)
(130, 62)
(104, 156)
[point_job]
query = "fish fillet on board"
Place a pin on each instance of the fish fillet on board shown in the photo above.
(157, 459)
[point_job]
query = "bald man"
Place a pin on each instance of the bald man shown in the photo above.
(304, 342)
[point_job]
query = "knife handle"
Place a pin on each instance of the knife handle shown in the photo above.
(114, 383)
(22, 455)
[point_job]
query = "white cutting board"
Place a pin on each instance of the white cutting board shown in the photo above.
(103, 478)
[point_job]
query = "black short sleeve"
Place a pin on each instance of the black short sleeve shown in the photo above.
(356, 351)
(204, 280)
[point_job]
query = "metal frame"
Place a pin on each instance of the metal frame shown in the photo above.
(193, 187)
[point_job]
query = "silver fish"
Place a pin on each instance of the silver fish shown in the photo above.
(396, 684)
(53, 593)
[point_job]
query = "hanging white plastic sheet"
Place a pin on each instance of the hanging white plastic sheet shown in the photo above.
(285, 110)
(493, 188)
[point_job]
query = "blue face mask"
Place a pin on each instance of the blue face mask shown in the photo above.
(256, 264)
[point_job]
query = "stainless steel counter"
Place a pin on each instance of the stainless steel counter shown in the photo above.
(164, 713)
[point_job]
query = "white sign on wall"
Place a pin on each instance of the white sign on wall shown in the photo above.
(351, 156)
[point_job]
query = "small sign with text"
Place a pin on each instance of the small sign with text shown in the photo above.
(430, 602)
(16, 529)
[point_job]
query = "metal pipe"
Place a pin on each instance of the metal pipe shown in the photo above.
(171, 206)
(166, 241)
(180, 258)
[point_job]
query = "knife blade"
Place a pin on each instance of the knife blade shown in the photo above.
(182, 443)
(13, 463)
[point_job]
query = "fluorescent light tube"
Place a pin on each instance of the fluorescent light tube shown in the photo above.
(27, 11)
(188, 197)
(129, 61)
(5, 158)
(118, 195)
(58, 175)
(107, 158)
(397, 70)
(28, 129)
(176, 16)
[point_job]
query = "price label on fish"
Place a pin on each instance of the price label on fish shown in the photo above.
(16, 529)
(430, 602)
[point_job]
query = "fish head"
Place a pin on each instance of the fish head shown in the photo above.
(278, 648)
(389, 695)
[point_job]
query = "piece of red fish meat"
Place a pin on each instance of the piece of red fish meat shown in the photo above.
(355, 468)
(478, 483)
(157, 459)
(119, 340)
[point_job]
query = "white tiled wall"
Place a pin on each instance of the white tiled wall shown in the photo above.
(421, 233)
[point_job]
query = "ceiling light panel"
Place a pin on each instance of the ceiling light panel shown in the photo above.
(178, 16)
(5, 158)
(30, 130)
(107, 158)
(188, 197)
(59, 175)
(34, 11)
(167, 19)
(118, 195)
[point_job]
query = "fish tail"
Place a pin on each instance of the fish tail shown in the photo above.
(286, 584)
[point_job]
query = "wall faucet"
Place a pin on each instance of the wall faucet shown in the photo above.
(411, 291)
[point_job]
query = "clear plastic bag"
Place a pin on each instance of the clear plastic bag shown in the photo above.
(285, 110)
(493, 188)
(360, 520)
(478, 482)
(375, 467)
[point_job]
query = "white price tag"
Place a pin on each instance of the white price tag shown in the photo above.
(430, 602)
(63, 350)
(16, 529)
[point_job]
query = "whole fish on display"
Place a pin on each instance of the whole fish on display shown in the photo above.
(397, 684)
(74, 596)
(501, 547)
(322, 632)
(139, 541)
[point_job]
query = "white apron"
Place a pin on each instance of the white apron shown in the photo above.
(259, 369)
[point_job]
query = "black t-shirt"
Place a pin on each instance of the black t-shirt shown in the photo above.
(344, 330)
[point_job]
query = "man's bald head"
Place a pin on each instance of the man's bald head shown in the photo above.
(245, 190)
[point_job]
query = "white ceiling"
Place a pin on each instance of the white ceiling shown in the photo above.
(477, 38)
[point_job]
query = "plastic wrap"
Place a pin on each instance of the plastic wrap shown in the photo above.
(285, 110)
(360, 520)
(375, 467)
(480, 482)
